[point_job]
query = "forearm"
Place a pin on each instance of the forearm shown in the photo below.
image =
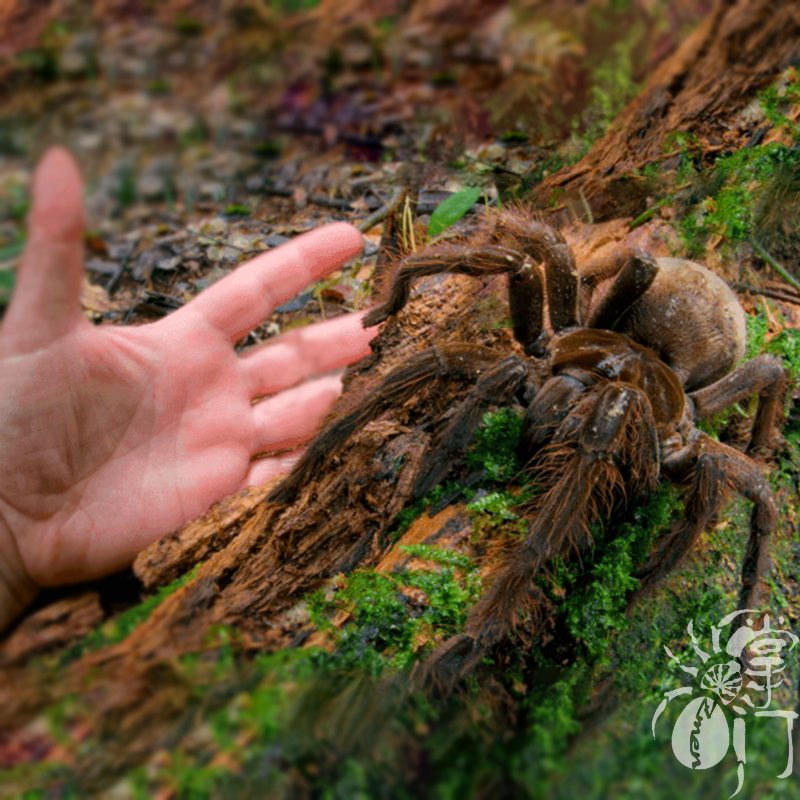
(17, 590)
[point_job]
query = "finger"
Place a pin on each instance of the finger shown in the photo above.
(302, 353)
(238, 303)
(46, 300)
(292, 417)
(265, 469)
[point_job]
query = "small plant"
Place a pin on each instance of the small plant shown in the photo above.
(267, 149)
(515, 137)
(237, 209)
(450, 211)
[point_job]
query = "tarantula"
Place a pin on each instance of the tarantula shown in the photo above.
(612, 392)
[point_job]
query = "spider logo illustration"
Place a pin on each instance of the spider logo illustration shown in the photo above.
(752, 661)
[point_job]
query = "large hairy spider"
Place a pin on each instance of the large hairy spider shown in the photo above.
(612, 392)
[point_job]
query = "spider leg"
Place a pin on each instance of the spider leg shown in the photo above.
(526, 293)
(548, 409)
(632, 281)
(544, 244)
(715, 467)
(602, 265)
(465, 361)
(764, 375)
(612, 431)
(494, 387)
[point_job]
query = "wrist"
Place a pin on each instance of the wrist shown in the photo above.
(17, 590)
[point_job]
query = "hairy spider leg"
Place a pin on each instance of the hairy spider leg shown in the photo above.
(714, 468)
(632, 281)
(455, 361)
(547, 410)
(518, 230)
(617, 431)
(496, 386)
(526, 292)
(763, 374)
(602, 265)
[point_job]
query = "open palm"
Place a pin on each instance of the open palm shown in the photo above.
(111, 436)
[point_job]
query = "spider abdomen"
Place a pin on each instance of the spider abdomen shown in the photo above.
(692, 319)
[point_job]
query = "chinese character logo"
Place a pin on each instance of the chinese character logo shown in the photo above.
(736, 676)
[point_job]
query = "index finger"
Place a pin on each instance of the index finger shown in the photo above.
(241, 300)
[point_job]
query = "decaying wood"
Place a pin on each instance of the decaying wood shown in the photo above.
(260, 560)
(177, 552)
(52, 628)
(701, 90)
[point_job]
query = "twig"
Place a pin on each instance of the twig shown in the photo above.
(645, 215)
(380, 215)
(407, 227)
(782, 271)
(586, 207)
(774, 294)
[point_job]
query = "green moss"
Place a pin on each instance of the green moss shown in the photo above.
(497, 505)
(777, 101)
(757, 329)
(121, 626)
(237, 210)
(553, 722)
(386, 630)
(786, 345)
(406, 518)
(735, 199)
(495, 446)
(593, 593)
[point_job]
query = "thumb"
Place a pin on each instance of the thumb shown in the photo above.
(46, 298)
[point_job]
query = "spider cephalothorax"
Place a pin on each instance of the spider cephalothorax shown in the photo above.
(613, 391)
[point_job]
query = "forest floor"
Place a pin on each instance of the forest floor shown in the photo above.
(207, 136)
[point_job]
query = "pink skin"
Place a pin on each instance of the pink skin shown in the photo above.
(112, 436)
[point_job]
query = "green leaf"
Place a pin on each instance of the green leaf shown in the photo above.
(7, 281)
(451, 210)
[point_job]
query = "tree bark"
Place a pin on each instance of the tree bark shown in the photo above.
(699, 91)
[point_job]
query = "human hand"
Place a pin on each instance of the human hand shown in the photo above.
(112, 436)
